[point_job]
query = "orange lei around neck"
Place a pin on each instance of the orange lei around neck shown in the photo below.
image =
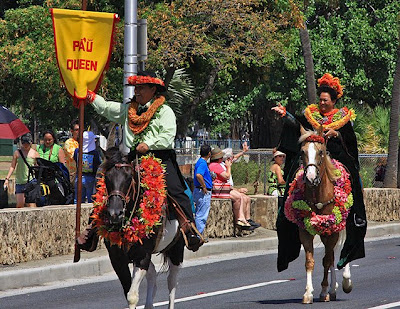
(138, 123)
(335, 119)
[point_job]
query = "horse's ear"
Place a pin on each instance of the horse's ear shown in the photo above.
(320, 130)
(302, 130)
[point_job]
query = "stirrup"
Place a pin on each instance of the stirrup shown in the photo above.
(192, 237)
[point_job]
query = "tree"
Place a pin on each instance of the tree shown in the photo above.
(390, 180)
(214, 39)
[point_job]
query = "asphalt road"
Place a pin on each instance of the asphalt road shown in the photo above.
(234, 281)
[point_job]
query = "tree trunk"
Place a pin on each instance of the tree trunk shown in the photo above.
(390, 180)
(309, 64)
(187, 115)
(170, 71)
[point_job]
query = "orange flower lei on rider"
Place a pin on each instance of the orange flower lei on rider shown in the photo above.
(139, 123)
(148, 215)
(335, 119)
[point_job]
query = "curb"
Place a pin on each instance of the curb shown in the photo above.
(100, 265)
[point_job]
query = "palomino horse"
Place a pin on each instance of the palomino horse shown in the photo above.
(318, 202)
(122, 196)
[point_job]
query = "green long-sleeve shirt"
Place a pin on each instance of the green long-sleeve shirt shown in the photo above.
(160, 133)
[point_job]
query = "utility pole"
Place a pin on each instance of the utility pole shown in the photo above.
(133, 37)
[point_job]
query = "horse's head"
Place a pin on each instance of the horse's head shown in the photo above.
(313, 155)
(120, 185)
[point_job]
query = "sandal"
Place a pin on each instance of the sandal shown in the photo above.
(244, 225)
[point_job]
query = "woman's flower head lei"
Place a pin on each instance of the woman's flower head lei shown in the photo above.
(331, 82)
(315, 139)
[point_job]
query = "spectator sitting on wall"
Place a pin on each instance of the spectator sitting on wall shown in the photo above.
(240, 201)
(276, 183)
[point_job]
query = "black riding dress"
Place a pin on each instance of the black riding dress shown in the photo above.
(342, 148)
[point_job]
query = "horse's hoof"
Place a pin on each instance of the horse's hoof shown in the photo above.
(307, 299)
(347, 286)
(133, 299)
(332, 296)
(324, 298)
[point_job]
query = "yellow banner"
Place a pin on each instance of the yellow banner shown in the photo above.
(83, 42)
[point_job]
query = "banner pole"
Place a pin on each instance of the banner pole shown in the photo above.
(77, 254)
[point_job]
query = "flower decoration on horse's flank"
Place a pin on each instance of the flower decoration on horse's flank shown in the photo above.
(332, 82)
(141, 225)
(315, 139)
(335, 119)
(141, 80)
(298, 211)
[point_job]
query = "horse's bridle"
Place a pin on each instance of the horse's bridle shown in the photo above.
(125, 197)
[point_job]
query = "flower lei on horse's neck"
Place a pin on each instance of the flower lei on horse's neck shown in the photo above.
(141, 225)
(139, 124)
(298, 211)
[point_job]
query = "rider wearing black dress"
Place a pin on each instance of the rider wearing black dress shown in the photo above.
(342, 146)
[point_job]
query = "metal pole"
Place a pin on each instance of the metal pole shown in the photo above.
(77, 254)
(265, 175)
(130, 52)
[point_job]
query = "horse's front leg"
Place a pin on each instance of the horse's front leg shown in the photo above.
(172, 282)
(151, 278)
(133, 294)
(307, 242)
(328, 263)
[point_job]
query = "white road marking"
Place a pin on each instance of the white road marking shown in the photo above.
(241, 288)
(391, 305)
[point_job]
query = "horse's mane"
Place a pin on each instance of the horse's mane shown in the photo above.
(113, 156)
(330, 168)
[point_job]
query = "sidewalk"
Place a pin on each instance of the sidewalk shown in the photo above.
(97, 263)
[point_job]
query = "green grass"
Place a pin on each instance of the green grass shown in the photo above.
(5, 158)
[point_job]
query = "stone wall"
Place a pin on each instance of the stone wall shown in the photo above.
(381, 204)
(36, 233)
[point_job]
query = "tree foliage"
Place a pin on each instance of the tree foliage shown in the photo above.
(241, 56)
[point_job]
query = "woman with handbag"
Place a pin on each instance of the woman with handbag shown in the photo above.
(223, 188)
(21, 158)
